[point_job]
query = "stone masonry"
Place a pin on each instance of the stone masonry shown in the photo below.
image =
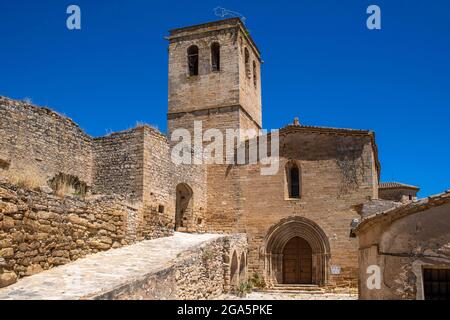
(39, 231)
(189, 267)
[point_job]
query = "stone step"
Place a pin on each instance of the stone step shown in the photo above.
(319, 292)
(297, 289)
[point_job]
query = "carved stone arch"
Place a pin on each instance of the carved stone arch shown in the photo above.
(183, 206)
(247, 58)
(193, 60)
(234, 271)
(281, 233)
(243, 267)
(215, 56)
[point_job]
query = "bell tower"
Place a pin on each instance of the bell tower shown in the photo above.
(214, 76)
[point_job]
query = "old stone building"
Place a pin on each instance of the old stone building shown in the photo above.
(399, 192)
(409, 247)
(298, 221)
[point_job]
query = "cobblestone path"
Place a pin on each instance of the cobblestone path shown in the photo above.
(104, 271)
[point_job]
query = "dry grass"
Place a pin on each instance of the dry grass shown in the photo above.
(31, 178)
(26, 179)
(64, 184)
(144, 124)
(64, 189)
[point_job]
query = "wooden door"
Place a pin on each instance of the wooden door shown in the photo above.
(297, 262)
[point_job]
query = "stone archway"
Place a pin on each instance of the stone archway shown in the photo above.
(234, 272)
(183, 206)
(310, 237)
(243, 268)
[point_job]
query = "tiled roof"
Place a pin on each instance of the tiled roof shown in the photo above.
(405, 210)
(395, 185)
(325, 129)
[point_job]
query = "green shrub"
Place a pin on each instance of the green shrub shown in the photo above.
(258, 281)
(244, 288)
(207, 255)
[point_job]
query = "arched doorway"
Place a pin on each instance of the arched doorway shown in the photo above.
(183, 205)
(297, 262)
(292, 244)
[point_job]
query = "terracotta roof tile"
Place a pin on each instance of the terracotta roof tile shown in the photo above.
(407, 209)
(395, 185)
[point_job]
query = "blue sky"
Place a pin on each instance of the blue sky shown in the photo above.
(321, 64)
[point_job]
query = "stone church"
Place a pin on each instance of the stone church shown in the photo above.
(298, 222)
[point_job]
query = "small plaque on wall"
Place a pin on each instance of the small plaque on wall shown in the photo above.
(335, 270)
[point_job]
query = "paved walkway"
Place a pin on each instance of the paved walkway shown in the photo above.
(104, 271)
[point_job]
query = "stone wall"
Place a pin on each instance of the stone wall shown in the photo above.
(220, 179)
(161, 176)
(118, 164)
(39, 231)
(338, 171)
(402, 242)
(137, 164)
(250, 92)
(132, 166)
(154, 223)
(198, 274)
(36, 144)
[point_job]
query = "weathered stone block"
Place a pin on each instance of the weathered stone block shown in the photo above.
(7, 279)
(7, 223)
(56, 261)
(5, 243)
(7, 253)
(34, 269)
(8, 208)
(99, 245)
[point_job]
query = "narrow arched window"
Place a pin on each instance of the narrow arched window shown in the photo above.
(193, 60)
(255, 76)
(247, 62)
(293, 180)
(215, 56)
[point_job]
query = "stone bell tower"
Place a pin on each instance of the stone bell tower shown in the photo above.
(214, 76)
